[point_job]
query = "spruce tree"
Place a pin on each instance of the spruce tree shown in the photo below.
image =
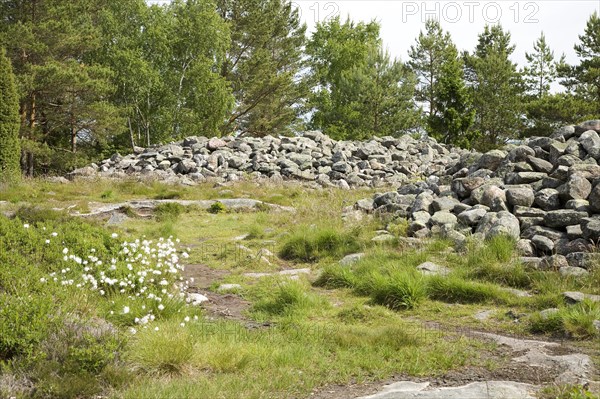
(9, 123)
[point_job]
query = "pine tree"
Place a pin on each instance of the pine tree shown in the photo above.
(455, 113)
(359, 91)
(497, 89)
(433, 49)
(9, 123)
(583, 80)
(540, 72)
(264, 65)
(63, 98)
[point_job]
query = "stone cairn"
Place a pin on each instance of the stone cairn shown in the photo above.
(313, 157)
(544, 192)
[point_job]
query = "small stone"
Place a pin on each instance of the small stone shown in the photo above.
(351, 259)
(229, 287)
(430, 268)
(471, 217)
(547, 313)
(443, 217)
(576, 187)
(563, 218)
(215, 143)
(531, 262)
(525, 247)
(484, 315)
(521, 196)
(383, 238)
(554, 262)
(365, 205)
(548, 199)
(196, 299)
(573, 271)
(591, 142)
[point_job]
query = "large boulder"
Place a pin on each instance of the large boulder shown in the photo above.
(591, 142)
(563, 218)
(494, 224)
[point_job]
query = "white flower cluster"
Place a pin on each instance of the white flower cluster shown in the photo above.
(143, 271)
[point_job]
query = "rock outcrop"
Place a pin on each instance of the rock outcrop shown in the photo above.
(545, 193)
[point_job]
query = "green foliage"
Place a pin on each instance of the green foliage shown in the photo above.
(26, 322)
(336, 276)
(566, 391)
(584, 79)
(176, 349)
(168, 211)
(434, 59)
(399, 290)
(10, 152)
(309, 244)
(287, 298)
(540, 72)
(497, 89)
(360, 90)
(453, 289)
(454, 114)
(262, 66)
(576, 321)
(217, 207)
(552, 111)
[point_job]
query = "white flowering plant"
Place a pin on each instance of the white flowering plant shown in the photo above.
(141, 282)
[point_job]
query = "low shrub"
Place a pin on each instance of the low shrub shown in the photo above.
(217, 207)
(576, 321)
(165, 350)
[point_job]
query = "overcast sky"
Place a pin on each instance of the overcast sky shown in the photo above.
(561, 20)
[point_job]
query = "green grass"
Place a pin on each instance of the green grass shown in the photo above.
(168, 211)
(312, 243)
(287, 298)
(353, 324)
(457, 290)
(574, 321)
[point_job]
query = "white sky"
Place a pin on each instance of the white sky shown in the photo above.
(401, 20)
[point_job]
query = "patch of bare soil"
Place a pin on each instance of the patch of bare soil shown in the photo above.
(218, 306)
(203, 276)
(226, 306)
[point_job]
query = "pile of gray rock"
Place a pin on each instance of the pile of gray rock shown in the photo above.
(544, 192)
(312, 157)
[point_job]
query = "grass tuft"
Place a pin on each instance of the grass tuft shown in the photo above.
(453, 289)
(311, 244)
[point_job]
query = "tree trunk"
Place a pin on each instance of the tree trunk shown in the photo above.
(131, 134)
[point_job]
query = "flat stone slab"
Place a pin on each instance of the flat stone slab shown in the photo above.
(577, 368)
(430, 268)
(230, 203)
(476, 390)
(287, 273)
